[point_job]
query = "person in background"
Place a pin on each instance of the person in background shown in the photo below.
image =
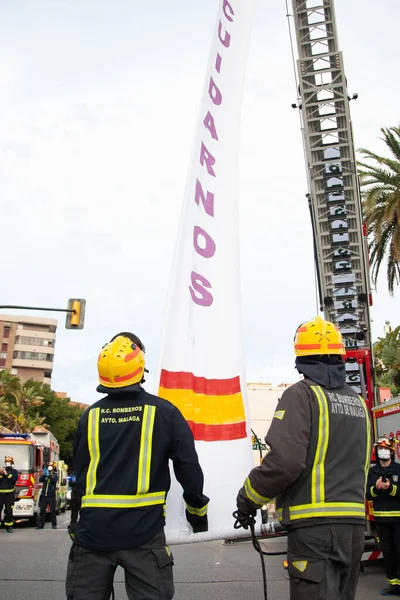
(383, 488)
(75, 504)
(48, 495)
(8, 478)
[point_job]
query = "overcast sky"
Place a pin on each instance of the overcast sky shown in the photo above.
(98, 106)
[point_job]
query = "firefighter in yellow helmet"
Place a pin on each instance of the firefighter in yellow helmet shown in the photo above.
(8, 478)
(316, 469)
(122, 448)
(383, 488)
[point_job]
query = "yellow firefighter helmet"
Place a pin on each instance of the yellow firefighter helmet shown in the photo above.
(121, 361)
(9, 459)
(318, 337)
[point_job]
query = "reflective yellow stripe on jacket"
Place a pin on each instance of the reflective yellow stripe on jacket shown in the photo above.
(143, 497)
(118, 501)
(327, 509)
(94, 449)
(318, 470)
(146, 440)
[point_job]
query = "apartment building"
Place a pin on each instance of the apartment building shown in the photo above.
(27, 346)
(262, 399)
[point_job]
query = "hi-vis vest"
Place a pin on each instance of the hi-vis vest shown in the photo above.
(332, 485)
(142, 497)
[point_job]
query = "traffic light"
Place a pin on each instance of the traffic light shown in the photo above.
(76, 313)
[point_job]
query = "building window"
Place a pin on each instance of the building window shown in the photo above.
(6, 333)
(2, 362)
(47, 373)
(33, 341)
(4, 347)
(3, 354)
(33, 355)
(14, 371)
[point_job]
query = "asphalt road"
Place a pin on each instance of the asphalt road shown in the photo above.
(33, 565)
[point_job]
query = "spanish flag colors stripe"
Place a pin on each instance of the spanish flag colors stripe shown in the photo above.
(213, 408)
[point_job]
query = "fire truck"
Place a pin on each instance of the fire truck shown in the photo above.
(387, 421)
(31, 451)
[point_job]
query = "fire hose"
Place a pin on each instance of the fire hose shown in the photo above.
(269, 528)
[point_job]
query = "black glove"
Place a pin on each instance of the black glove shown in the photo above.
(245, 513)
(242, 519)
(72, 527)
(198, 524)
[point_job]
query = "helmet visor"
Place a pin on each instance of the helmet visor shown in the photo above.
(385, 442)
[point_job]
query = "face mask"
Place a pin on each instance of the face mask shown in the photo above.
(8, 464)
(383, 453)
(50, 468)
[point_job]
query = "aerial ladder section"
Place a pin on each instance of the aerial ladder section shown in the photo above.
(340, 241)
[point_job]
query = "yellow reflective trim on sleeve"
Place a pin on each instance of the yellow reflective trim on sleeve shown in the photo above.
(146, 445)
(394, 490)
(372, 492)
(318, 469)
(94, 449)
(278, 414)
(387, 513)
(200, 512)
(253, 495)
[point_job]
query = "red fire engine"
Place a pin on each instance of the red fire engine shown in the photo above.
(31, 451)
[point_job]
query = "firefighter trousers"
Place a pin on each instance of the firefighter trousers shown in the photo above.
(389, 540)
(324, 561)
(148, 572)
(44, 502)
(7, 500)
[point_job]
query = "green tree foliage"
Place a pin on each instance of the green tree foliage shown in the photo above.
(19, 404)
(24, 406)
(387, 361)
(62, 418)
(381, 206)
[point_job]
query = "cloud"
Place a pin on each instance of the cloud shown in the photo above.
(97, 128)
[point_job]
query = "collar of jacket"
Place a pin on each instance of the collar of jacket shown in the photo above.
(328, 371)
(389, 469)
(129, 389)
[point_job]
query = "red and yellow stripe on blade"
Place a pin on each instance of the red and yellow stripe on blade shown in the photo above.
(213, 408)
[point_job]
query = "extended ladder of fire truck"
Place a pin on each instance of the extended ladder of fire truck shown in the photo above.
(340, 241)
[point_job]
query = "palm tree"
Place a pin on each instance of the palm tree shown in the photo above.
(381, 206)
(387, 361)
(8, 384)
(18, 402)
(22, 401)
